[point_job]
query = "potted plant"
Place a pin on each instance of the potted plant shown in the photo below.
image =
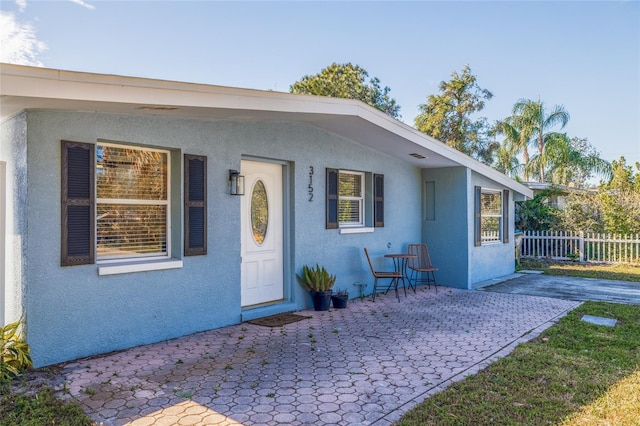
(319, 283)
(339, 299)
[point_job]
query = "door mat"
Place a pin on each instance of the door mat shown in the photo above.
(278, 320)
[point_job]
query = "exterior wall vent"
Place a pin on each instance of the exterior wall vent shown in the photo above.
(157, 108)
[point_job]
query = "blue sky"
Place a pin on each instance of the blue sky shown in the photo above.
(582, 55)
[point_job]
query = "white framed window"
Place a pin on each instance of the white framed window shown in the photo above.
(491, 215)
(132, 202)
(350, 198)
(354, 201)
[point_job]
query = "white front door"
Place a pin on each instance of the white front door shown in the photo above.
(262, 233)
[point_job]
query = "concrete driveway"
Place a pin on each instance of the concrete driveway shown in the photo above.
(570, 288)
(367, 364)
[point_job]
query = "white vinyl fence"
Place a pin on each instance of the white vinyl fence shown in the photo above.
(580, 246)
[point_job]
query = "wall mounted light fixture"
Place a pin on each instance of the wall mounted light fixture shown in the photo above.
(236, 183)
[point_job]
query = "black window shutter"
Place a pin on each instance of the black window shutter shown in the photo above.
(505, 216)
(332, 199)
(195, 205)
(378, 201)
(78, 203)
(477, 220)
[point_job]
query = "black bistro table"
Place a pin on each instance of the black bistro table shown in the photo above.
(400, 265)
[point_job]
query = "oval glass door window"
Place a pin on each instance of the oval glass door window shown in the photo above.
(259, 212)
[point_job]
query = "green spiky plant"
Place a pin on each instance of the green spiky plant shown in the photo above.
(14, 352)
(316, 279)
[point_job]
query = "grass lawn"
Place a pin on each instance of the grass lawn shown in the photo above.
(585, 270)
(40, 409)
(575, 373)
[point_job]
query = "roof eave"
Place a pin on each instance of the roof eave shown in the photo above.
(31, 87)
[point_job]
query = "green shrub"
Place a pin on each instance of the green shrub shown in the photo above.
(14, 352)
(316, 279)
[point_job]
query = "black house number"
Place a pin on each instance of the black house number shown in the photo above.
(310, 183)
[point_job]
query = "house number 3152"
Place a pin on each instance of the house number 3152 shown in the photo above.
(310, 183)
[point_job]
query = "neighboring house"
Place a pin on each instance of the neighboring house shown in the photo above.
(119, 228)
(557, 199)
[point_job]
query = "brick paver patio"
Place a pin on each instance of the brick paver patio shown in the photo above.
(367, 364)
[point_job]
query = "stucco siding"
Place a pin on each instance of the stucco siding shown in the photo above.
(73, 312)
(446, 232)
(493, 260)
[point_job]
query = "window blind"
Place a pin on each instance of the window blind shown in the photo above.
(132, 202)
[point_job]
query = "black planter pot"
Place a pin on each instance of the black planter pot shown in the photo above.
(321, 300)
(339, 302)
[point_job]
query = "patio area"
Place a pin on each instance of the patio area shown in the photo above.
(364, 365)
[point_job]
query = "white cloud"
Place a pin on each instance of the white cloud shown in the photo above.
(82, 3)
(22, 4)
(18, 42)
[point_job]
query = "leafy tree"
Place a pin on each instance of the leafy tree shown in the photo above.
(447, 116)
(348, 81)
(623, 177)
(620, 199)
(614, 209)
(536, 214)
(583, 211)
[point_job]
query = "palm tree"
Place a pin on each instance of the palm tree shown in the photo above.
(566, 164)
(515, 142)
(558, 159)
(533, 122)
(506, 161)
(556, 146)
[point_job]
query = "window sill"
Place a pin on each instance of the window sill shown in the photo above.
(363, 230)
(138, 266)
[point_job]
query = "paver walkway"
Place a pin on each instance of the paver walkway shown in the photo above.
(367, 364)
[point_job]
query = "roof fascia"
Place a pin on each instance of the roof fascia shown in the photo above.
(35, 82)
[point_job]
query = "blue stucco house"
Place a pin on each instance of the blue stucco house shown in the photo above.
(118, 226)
